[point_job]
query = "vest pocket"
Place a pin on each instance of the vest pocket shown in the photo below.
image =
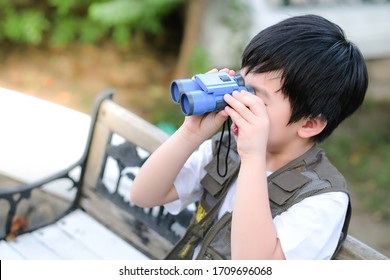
(284, 186)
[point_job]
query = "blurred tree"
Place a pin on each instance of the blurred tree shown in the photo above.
(61, 22)
(64, 21)
(126, 16)
(191, 31)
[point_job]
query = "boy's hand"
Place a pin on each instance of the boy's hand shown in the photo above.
(201, 127)
(250, 123)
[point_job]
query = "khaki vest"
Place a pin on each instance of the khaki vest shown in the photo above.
(308, 175)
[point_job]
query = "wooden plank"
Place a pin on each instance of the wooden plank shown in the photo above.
(32, 248)
(96, 155)
(8, 253)
(75, 237)
(126, 225)
(64, 245)
(353, 249)
(132, 127)
(51, 125)
(97, 238)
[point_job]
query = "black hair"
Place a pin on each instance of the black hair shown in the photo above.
(323, 74)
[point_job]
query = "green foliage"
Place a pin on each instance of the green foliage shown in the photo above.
(59, 22)
(138, 15)
(91, 32)
(199, 61)
(63, 7)
(64, 30)
(237, 22)
(27, 26)
(161, 109)
(121, 34)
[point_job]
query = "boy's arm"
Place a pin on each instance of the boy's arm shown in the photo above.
(153, 185)
(253, 232)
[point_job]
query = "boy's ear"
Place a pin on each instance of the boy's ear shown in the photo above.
(311, 127)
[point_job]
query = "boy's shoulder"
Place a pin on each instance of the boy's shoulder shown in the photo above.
(318, 162)
(310, 174)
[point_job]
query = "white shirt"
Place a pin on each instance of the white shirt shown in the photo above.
(309, 229)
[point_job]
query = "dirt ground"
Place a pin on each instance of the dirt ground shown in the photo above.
(75, 75)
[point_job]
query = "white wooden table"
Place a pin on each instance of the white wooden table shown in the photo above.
(32, 129)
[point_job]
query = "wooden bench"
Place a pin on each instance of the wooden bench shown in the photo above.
(85, 211)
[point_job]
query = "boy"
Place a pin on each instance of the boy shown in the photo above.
(281, 198)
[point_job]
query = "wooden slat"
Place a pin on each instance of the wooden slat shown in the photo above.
(353, 249)
(114, 118)
(96, 155)
(8, 253)
(31, 248)
(64, 245)
(77, 236)
(130, 126)
(97, 238)
(126, 226)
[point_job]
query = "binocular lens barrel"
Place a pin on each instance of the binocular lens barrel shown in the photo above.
(182, 85)
(175, 92)
(186, 105)
(196, 103)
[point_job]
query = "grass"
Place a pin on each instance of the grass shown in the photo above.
(360, 149)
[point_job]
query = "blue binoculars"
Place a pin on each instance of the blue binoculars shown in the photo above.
(204, 93)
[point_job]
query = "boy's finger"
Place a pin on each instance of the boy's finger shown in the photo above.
(236, 117)
(254, 103)
(214, 70)
(228, 71)
(240, 110)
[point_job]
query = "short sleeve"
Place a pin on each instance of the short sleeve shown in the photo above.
(187, 182)
(311, 228)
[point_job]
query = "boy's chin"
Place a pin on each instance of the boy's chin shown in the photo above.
(234, 129)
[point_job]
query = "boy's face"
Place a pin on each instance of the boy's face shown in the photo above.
(267, 87)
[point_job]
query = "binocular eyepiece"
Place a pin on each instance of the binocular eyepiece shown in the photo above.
(205, 92)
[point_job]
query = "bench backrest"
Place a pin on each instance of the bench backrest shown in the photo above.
(117, 138)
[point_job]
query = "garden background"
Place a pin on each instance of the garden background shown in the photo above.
(67, 51)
